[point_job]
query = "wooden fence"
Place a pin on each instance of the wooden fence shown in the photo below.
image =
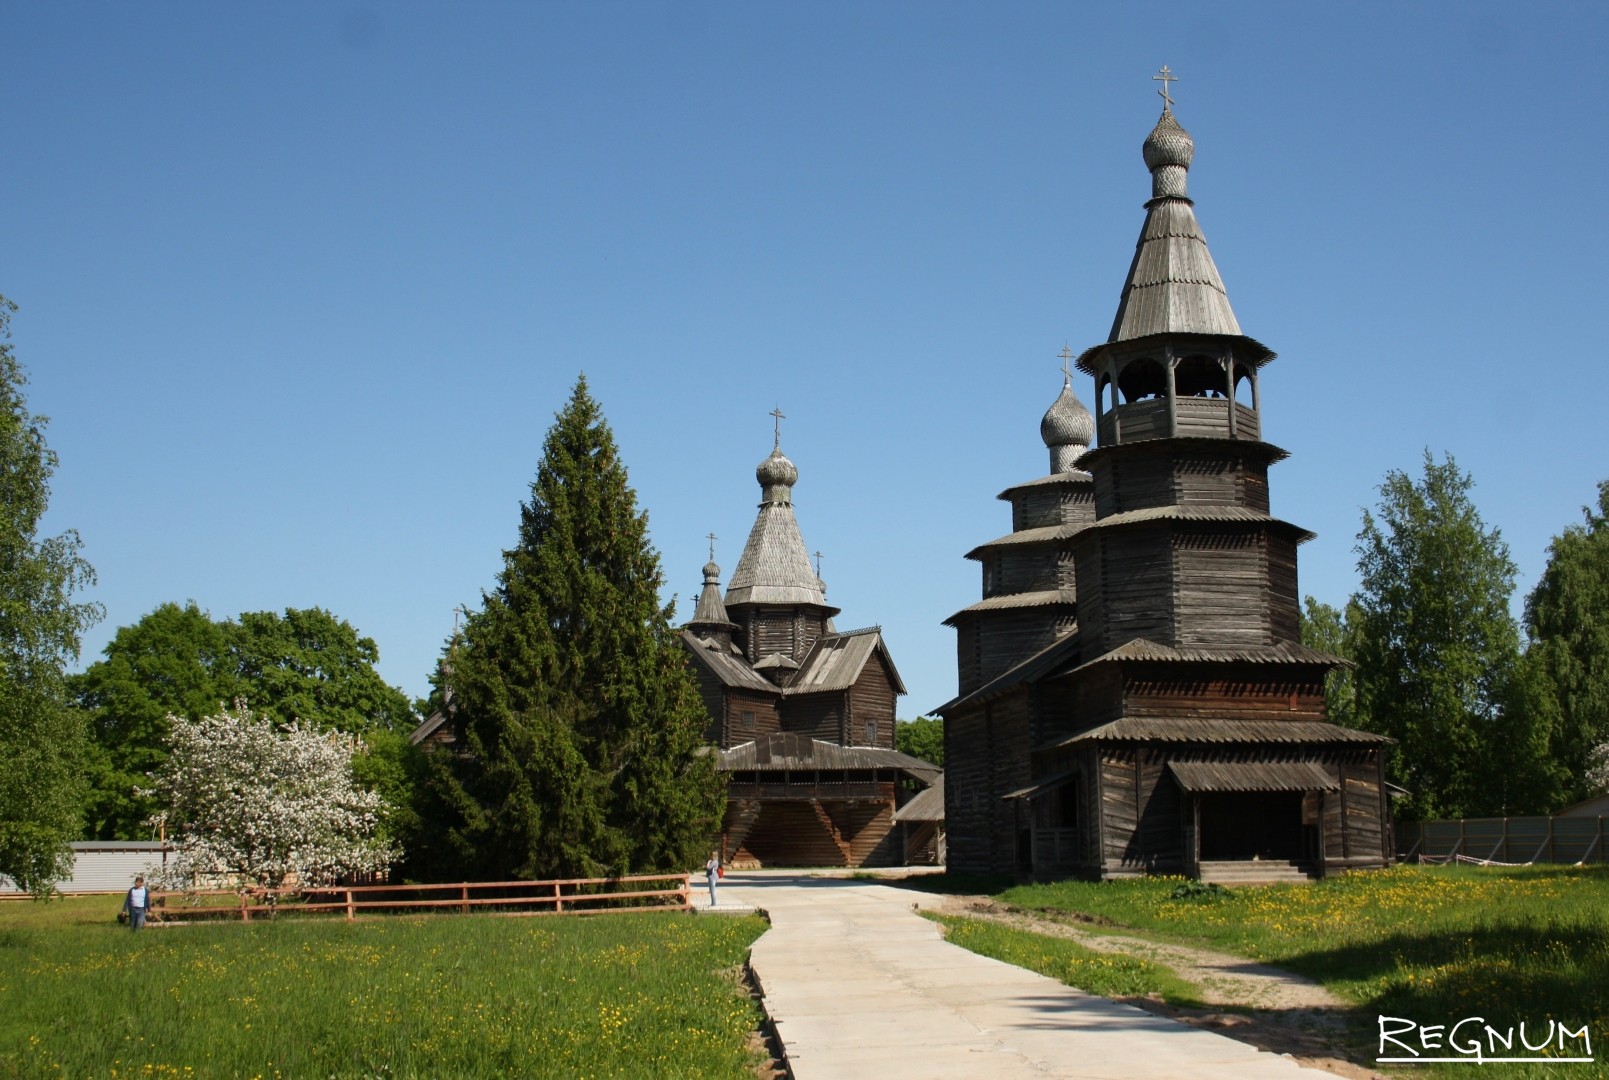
(569, 896)
(1513, 840)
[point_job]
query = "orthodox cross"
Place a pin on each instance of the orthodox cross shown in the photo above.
(777, 412)
(1066, 355)
(711, 537)
(457, 611)
(1165, 78)
(818, 564)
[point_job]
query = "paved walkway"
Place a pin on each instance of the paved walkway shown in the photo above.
(862, 988)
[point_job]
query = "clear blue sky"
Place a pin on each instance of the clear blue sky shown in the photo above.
(302, 285)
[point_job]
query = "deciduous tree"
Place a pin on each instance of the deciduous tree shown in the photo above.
(1567, 620)
(43, 746)
(1435, 645)
(580, 723)
(921, 738)
(1329, 629)
(256, 802)
(306, 665)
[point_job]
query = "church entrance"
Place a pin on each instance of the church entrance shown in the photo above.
(1251, 825)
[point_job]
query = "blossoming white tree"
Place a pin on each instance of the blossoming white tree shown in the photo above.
(1598, 769)
(259, 804)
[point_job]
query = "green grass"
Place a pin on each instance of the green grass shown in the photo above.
(604, 996)
(1111, 975)
(1433, 945)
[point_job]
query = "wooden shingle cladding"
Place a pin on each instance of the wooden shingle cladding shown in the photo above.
(1180, 719)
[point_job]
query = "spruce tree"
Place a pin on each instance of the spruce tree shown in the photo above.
(579, 723)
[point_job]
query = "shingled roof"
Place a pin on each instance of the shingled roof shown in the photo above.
(792, 752)
(775, 566)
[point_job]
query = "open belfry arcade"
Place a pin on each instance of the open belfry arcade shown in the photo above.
(1134, 696)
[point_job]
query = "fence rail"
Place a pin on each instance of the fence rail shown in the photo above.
(567, 896)
(1516, 841)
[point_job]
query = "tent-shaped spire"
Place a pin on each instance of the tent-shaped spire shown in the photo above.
(1173, 286)
(775, 566)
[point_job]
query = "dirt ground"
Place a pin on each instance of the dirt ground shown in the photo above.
(1268, 1008)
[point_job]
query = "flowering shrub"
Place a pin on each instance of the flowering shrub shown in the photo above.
(259, 804)
(1598, 769)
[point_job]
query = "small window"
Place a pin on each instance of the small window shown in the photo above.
(871, 733)
(748, 719)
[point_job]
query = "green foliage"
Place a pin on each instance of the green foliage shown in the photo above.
(311, 667)
(43, 746)
(921, 738)
(1435, 645)
(614, 995)
(173, 661)
(1567, 618)
(1199, 890)
(305, 665)
(580, 722)
(1331, 630)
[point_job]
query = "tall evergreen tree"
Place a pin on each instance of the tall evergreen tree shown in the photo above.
(43, 745)
(579, 720)
(1567, 618)
(1436, 646)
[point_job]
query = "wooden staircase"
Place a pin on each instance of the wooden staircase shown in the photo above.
(1257, 872)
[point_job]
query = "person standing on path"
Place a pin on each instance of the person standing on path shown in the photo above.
(137, 902)
(712, 871)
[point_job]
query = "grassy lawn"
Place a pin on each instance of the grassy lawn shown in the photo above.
(1107, 974)
(1432, 945)
(445, 996)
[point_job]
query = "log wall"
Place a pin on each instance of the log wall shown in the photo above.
(1220, 589)
(872, 706)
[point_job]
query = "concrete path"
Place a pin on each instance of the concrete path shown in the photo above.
(862, 988)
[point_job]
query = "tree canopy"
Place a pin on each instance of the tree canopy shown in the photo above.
(921, 738)
(578, 717)
(42, 741)
(1435, 644)
(306, 665)
(1567, 620)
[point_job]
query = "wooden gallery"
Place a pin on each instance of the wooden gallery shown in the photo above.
(803, 715)
(1134, 696)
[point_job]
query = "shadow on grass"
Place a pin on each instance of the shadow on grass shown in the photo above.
(1505, 972)
(948, 884)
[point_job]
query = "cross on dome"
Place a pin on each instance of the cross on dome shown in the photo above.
(777, 412)
(1165, 78)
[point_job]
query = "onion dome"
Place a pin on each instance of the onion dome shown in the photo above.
(710, 614)
(1169, 149)
(776, 475)
(1068, 429)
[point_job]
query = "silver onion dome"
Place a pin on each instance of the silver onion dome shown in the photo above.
(777, 475)
(1169, 149)
(1067, 429)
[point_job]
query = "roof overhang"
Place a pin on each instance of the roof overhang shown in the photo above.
(1204, 777)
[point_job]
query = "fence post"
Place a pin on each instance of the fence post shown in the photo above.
(558, 898)
(1460, 849)
(464, 896)
(1552, 856)
(349, 912)
(245, 912)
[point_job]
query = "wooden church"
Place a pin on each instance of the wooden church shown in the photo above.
(1134, 696)
(802, 714)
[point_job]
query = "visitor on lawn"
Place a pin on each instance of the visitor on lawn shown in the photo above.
(137, 902)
